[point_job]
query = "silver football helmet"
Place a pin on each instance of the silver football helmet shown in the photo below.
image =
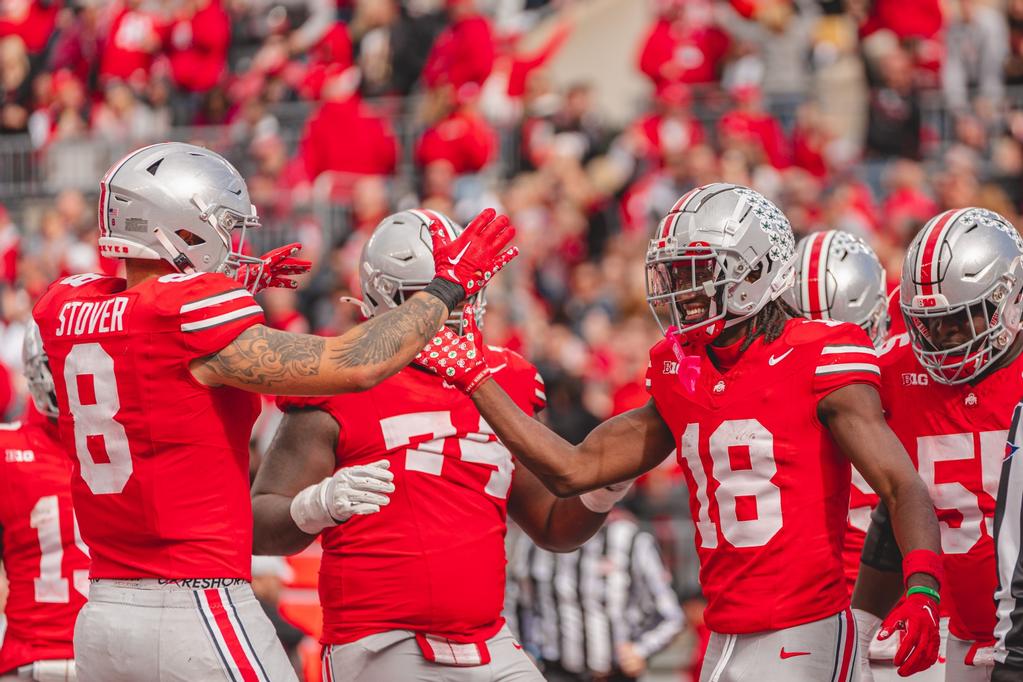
(179, 203)
(966, 267)
(839, 277)
(37, 371)
(721, 254)
(397, 261)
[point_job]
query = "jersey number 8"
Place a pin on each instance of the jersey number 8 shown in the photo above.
(95, 426)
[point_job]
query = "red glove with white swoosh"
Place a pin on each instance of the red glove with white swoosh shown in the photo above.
(916, 616)
(471, 260)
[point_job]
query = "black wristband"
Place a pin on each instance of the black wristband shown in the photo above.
(448, 292)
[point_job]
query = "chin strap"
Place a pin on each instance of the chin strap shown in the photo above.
(178, 259)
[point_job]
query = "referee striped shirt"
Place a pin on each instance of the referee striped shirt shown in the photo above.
(576, 608)
(1008, 523)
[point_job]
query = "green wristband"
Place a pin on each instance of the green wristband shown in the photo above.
(923, 589)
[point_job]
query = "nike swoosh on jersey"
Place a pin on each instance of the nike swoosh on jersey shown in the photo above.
(772, 361)
(791, 654)
(458, 258)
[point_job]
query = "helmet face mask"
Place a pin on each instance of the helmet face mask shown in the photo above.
(962, 294)
(983, 324)
(720, 255)
(397, 262)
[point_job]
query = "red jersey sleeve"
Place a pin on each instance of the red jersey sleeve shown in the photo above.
(211, 310)
(846, 357)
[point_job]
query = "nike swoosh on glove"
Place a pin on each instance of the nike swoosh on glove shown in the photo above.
(916, 616)
(275, 270)
(479, 253)
(459, 360)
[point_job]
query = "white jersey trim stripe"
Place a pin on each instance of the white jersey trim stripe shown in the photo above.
(848, 367)
(214, 300)
(540, 394)
(221, 319)
(837, 350)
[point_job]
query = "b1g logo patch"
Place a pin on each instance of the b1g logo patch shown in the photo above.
(670, 367)
(913, 379)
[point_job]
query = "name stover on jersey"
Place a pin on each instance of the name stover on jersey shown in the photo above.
(92, 317)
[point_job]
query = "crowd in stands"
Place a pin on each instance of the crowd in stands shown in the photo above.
(863, 115)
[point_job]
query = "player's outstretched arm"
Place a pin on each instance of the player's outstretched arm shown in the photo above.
(297, 493)
(264, 360)
(855, 418)
(621, 448)
(559, 524)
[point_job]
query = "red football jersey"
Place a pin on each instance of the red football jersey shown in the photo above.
(46, 561)
(956, 437)
(433, 559)
(161, 470)
(768, 487)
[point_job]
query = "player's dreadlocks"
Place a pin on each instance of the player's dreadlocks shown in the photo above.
(769, 323)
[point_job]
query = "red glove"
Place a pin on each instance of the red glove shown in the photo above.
(916, 616)
(276, 270)
(459, 360)
(471, 260)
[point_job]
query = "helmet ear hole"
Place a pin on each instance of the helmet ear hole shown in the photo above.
(190, 238)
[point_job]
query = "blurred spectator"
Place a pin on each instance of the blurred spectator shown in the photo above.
(684, 45)
(1014, 61)
(976, 47)
(460, 137)
(197, 48)
(368, 146)
(907, 19)
(779, 34)
(513, 69)
(15, 86)
(893, 128)
(133, 39)
(31, 20)
(328, 57)
(749, 128)
(464, 51)
(670, 129)
(122, 117)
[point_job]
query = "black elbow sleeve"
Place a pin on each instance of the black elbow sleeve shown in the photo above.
(880, 551)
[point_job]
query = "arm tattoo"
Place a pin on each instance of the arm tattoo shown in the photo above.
(266, 357)
(380, 340)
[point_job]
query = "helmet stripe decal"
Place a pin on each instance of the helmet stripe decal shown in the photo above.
(680, 205)
(428, 216)
(930, 250)
(816, 282)
(104, 193)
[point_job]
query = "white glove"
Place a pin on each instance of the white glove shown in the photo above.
(601, 500)
(866, 630)
(353, 490)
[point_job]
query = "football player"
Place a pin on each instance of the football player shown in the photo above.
(949, 386)
(44, 556)
(156, 377)
(761, 409)
(416, 590)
